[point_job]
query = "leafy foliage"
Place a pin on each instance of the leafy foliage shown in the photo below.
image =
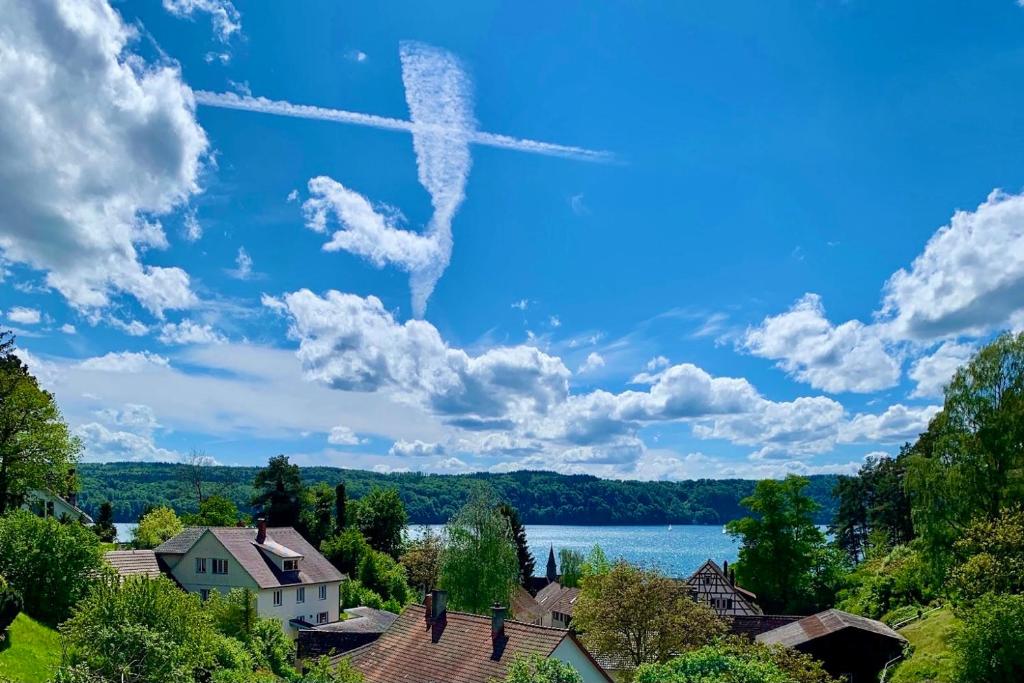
(346, 550)
(215, 510)
(385, 577)
(527, 564)
(990, 646)
(315, 521)
(479, 566)
(781, 546)
(422, 560)
(143, 630)
(989, 557)
(640, 616)
(155, 527)
(886, 581)
(537, 669)
(51, 564)
(873, 501)
(36, 449)
(380, 515)
(322, 671)
(104, 526)
(571, 563)
(277, 489)
(735, 663)
(10, 605)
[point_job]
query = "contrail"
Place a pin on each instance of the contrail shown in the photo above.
(262, 105)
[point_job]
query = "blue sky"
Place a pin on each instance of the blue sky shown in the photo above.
(755, 240)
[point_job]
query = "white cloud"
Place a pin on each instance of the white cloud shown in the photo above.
(133, 328)
(897, 424)
(351, 343)
(293, 196)
(343, 436)
(833, 358)
(96, 143)
(123, 435)
(521, 304)
(125, 361)
(190, 332)
(578, 206)
(932, 373)
(226, 19)
(24, 316)
(554, 321)
(593, 362)
(193, 228)
(801, 427)
(68, 328)
(969, 278)
(416, 448)
(243, 266)
(451, 464)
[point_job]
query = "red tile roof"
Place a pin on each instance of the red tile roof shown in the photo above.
(459, 650)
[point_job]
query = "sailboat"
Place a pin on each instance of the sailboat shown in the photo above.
(670, 527)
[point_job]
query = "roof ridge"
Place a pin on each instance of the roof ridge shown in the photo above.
(488, 619)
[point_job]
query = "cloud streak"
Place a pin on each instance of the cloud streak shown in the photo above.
(262, 105)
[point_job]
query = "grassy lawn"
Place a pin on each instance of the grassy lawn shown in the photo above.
(931, 660)
(31, 653)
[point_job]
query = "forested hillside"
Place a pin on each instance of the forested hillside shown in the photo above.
(540, 497)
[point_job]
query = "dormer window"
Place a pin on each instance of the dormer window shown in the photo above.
(290, 565)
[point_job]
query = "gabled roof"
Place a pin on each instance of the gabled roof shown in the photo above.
(134, 562)
(459, 650)
(43, 493)
(824, 624)
(240, 543)
(713, 566)
(555, 597)
(525, 607)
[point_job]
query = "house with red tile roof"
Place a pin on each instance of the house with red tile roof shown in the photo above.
(429, 644)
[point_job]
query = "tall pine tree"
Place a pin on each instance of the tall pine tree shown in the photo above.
(526, 562)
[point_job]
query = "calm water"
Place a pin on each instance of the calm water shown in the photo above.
(677, 551)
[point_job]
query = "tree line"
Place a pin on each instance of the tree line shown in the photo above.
(540, 497)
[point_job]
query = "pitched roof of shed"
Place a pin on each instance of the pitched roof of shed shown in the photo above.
(823, 624)
(458, 651)
(240, 542)
(134, 562)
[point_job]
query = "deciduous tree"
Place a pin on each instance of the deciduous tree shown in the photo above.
(155, 527)
(640, 616)
(36, 449)
(479, 566)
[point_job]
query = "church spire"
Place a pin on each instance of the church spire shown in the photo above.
(552, 569)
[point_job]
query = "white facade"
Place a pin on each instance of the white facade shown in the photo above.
(570, 653)
(194, 570)
(46, 504)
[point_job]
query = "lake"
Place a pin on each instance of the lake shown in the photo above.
(676, 552)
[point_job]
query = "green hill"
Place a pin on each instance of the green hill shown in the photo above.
(31, 652)
(930, 660)
(540, 497)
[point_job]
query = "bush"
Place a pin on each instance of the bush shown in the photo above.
(736, 661)
(51, 564)
(145, 630)
(10, 605)
(886, 582)
(385, 577)
(990, 646)
(536, 669)
(346, 550)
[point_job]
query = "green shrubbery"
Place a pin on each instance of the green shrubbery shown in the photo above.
(10, 605)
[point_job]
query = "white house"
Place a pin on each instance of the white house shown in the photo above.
(49, 504)
(293, 582)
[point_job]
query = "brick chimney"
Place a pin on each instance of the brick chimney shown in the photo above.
(261, 530)
(497, 622)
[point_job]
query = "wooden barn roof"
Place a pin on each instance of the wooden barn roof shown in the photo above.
(824, 624)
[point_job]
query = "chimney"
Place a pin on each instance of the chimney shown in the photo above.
(438, 606)
(428, 604)
(261, 533)
(725, 568)
(732, 576)
(497, 622)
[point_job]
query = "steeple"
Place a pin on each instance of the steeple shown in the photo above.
(552, 568)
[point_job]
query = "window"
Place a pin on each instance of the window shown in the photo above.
(300, 594)
(220, 566)
(323, 592)
(204, 594)
(290, 565)
(200, 565)
(277, 598)
(728, 603)
(321, 618)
